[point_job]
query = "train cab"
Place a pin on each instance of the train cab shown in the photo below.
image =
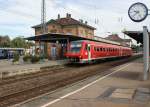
(78, 51)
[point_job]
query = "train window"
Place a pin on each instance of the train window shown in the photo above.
(89, 48)
(97, 49)
(104, 49)
(100, 49)
(86, 47)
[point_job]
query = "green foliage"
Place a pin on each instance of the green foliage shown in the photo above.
(17, 42)
(26, 58)
(29, 44)
(32, 59)
(35, 59)
(16, 57)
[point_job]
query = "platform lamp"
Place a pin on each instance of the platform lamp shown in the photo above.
(138, 12)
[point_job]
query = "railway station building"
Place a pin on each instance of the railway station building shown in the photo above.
(59, 32)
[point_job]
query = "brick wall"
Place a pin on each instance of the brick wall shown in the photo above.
(85, 32)
(70, 30)
(54, 28)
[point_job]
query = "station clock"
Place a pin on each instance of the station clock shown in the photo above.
(138, 12)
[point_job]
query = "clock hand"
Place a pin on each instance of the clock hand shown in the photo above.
(134, 14)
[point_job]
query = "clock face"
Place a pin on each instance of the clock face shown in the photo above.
(138, 12)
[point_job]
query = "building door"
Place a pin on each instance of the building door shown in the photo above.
(53, 52)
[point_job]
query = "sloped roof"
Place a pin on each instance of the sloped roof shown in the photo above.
(66, 22)
(114, 37)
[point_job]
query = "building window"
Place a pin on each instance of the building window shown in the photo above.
(86, 32)
(81, 32)
(53, 26)
(53, 31)
(69, 30)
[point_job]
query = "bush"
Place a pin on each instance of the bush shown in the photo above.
(16, 57)
(26, 58)
(35, 59)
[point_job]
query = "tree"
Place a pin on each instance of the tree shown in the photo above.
(5, 41)
(18, 43)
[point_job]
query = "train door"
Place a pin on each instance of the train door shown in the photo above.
(89, 52)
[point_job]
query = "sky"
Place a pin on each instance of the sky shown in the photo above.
(108, 16)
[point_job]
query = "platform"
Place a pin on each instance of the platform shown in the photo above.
(8, 69)
(121, 88)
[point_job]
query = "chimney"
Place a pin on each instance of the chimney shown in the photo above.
(68, 15)
(86, 22)
(81, 20)
(58, 16)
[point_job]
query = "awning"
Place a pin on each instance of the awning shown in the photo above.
(54, 37)
(136, 35)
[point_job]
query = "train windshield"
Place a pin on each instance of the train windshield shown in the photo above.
(75, 47)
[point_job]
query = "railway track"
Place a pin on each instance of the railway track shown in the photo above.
(51, 79)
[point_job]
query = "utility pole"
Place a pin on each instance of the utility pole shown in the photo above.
(43, 25)
(43, 17)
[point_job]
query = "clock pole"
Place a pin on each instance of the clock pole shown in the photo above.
(138, 12)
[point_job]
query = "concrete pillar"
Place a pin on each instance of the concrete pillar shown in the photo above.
(145, 52)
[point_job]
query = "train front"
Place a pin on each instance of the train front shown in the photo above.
(74, 51)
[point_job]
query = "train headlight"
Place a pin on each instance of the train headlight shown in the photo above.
(86, 53)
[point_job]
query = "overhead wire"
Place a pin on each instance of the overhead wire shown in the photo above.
(95, 20)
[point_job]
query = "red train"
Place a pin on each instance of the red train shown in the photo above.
(84, 51)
